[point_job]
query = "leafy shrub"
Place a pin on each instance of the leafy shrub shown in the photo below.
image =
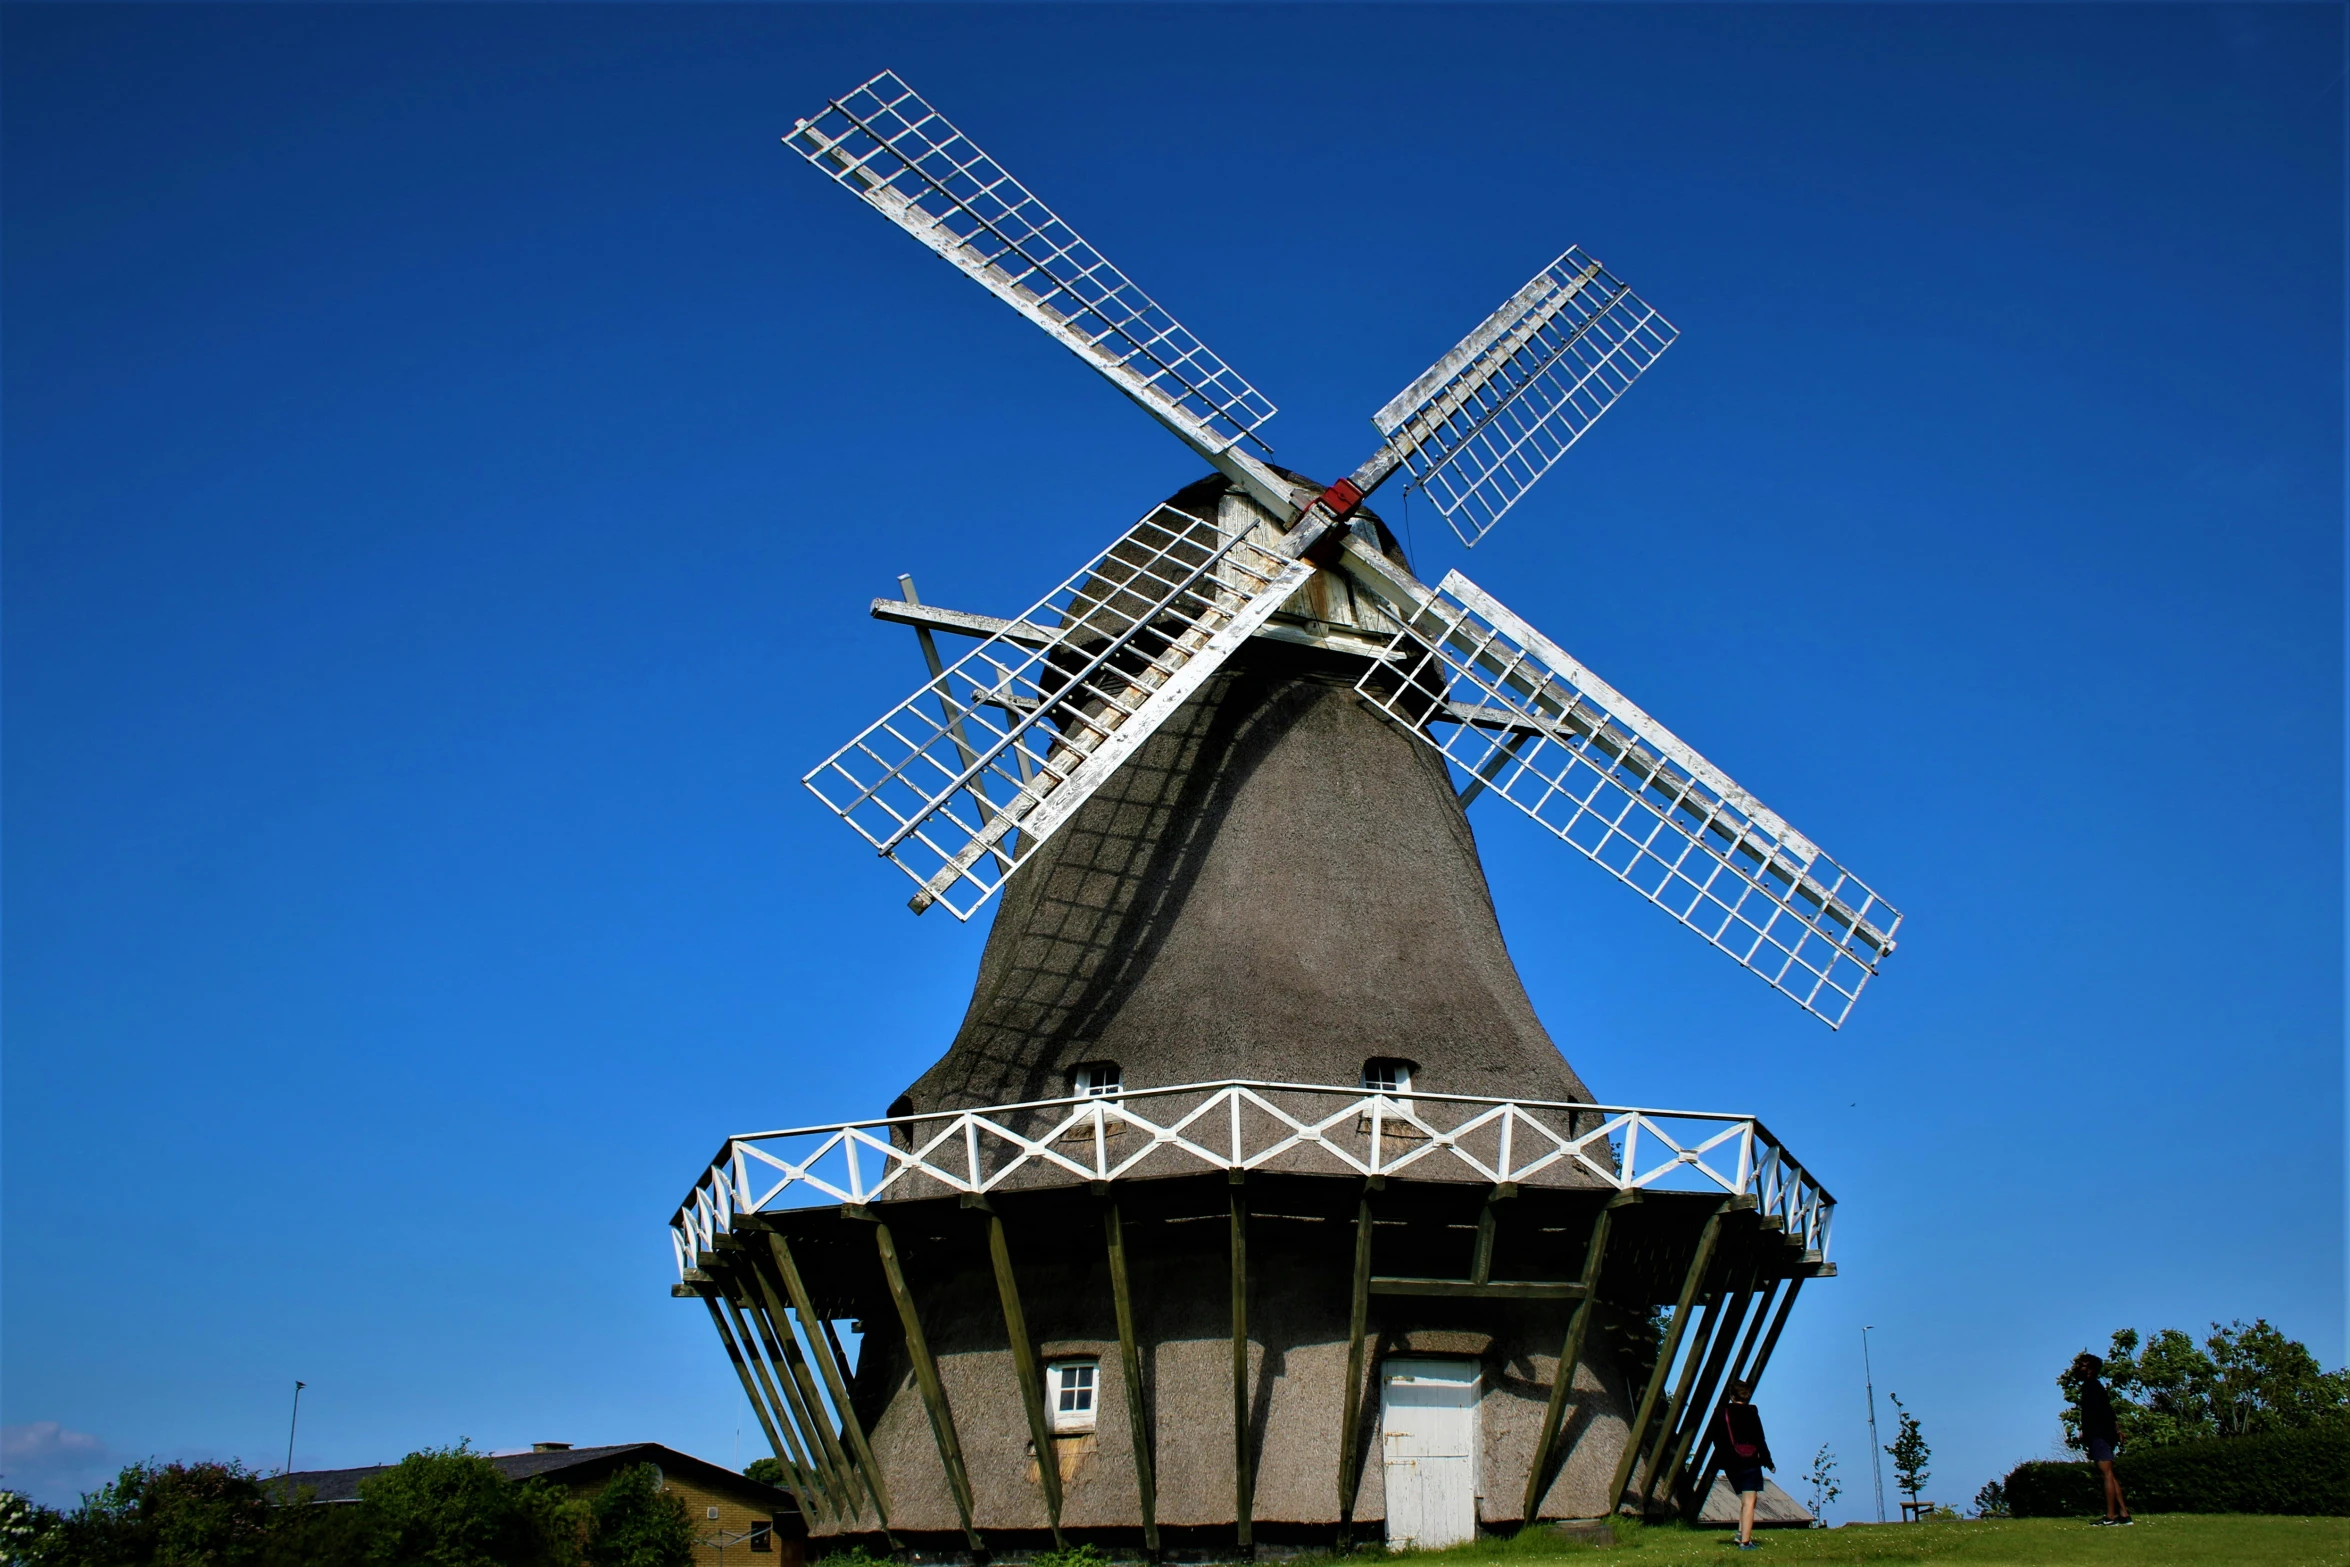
(2305, 1473)
(640, 1524)
(2242, 1381)
(1074, 1556)
(1991, 1500)
(166, 1515)
(449, 1507)
(854, 1556)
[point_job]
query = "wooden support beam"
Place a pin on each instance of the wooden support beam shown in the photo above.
(1701, 1457)
(1130, 1364)
(799, 1384)
(1665, 1352)
(1243, 1469)
(1753, 1374)
(1668, 1415)
(802, 1491)
(834, 1365)
(1350, 1477)
(934, 1393)
(1570, 1355)
(1700, 1406)
(1040, 1431)
(1470, 1289)
(1488, 1225)
(825, 1486)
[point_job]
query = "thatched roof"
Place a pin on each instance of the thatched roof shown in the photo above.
(1280, 885)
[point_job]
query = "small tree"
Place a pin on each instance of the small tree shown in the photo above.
(1991, 1500)
(1909, 1453)
(639, 1523)
(767, 1471)
(1822, 1479)
(449, 1507)
(168, 1515)
(27, 1530)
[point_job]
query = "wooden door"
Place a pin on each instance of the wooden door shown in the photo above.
(1428, 1436)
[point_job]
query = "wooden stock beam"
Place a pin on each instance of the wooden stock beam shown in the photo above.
(1701, 1457)
(801, 1489)
(799, 1386)
(1699, 1409)
(802, 1440)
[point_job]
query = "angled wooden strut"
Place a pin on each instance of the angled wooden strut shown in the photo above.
(934, 1393)
(1243, 1468)
(1701, 1454)
(1698, 1406)
(1751, 1372)
(809, 1501)
(833, 1364)
(799, 1385)
(1666, 1351)
(1007, 1285)
(1538, 1476)
(1130, 1366)
(825, 1487)
(1350, 1476)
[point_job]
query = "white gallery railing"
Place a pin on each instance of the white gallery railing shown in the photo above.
(1289, 1127)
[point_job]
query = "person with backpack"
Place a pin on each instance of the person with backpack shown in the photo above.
(2100, 1434)
(1744, 1453)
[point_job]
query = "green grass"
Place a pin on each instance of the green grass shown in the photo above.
(2160, 1540)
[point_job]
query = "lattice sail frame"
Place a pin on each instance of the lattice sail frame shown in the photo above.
(883, 142)
(1242, 1125)
(1483, 423)
(958, 784)
(1525, 719)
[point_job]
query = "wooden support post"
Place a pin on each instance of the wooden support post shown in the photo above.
(1130, 1365)
(1668, 1414)
(1243, 1469)
(1701, 1457)
(1762, 1357)
(1040, 1432)
(1700, 1406)
(934, 1393)
(1358, 1321)
(823, 1483)
(1488, 1223)
(834, 1365)
(804, 1492)
(1571, 1354)
(799, 1386)
(1664, 1354)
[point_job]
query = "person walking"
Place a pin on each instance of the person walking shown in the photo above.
(1745, 1453)
(2101, 1433)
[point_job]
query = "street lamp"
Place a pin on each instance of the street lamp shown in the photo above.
(1876, 1450)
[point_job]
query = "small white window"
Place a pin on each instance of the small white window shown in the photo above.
(1387, 1075)
(710, 1513)
(1069, 1389)
(1096, 1079)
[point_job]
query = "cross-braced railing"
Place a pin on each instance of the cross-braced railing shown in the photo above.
(1290, 1127)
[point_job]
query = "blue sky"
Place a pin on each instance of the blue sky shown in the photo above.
(448, 453)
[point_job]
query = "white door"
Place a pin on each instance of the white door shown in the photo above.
(1428, 1431)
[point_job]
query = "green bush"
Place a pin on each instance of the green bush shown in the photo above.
(638, 1523)
(2305, 1473)
(449, 1507)
(854, 1556)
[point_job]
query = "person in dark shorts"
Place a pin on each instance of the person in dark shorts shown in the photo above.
(1744, 1453)
(2101, 1433)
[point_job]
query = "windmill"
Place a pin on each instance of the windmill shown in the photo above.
(1246, 970)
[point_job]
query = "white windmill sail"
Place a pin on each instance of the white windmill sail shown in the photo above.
(1488, 419)
(959, 784)
(1524, 719)
(882, 141)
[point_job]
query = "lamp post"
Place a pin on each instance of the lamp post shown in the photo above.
(1876, 1450)
(291, 1423)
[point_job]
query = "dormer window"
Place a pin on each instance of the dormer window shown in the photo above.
(1095, 1080)
(1070, 1386)
(1387, 1075)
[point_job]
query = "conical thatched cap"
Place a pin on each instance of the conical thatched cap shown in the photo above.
(1281, 885)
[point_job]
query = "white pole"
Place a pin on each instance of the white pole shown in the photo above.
(1876, 1451)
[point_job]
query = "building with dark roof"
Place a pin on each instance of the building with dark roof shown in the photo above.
(736, 1518)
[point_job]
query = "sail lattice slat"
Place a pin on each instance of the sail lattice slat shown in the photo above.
(1527, 721)
(903, 157)
(1491, 417)
(958, 784)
